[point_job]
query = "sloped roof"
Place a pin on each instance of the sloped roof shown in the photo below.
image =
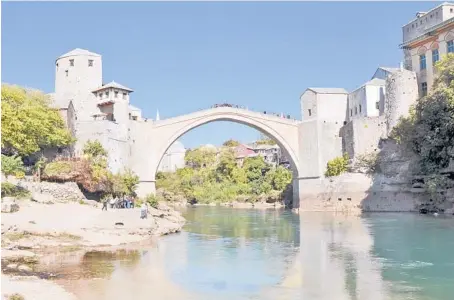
(132, 107)
(113, 84)
(391, 70)
(376, 81)
(328, 90)
(79, 51)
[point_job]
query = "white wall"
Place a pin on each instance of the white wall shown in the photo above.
(308, 102)
(374, 94)
(332, 107)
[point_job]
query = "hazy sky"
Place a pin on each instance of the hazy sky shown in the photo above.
(181, 57)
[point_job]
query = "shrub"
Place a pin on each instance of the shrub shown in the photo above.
(369, 162)
(57, 168)
(12, 165)
(11, 190)
(337, 166)
(152, 200)
(16, 296)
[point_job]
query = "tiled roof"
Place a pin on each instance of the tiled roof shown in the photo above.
(328, 90)
(113, 84)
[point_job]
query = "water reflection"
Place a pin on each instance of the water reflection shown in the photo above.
(228, 253)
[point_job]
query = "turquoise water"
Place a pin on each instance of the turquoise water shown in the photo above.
(226, 253)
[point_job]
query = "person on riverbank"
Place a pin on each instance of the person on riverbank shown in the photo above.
(143, 211)
(104, 204)
(112, 202)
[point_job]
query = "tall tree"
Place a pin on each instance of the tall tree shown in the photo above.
(29, 124)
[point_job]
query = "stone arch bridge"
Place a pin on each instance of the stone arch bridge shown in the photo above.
(308, 144)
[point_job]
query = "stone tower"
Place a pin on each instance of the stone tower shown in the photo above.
(402, 93)
(77, 74)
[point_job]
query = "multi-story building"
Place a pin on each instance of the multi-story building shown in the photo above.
(425, 40)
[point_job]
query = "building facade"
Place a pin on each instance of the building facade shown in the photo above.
(425, 40)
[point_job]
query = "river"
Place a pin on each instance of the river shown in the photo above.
(226, 253)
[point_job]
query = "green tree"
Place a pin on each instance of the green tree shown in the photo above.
(94, 149)
(200, 157)
(11, 165)
(227, 164)
(255, 168)
(29, 124)
(231, 143)
(429, 129)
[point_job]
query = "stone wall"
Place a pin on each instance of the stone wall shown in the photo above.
(363, 135)
(356, 192)
(67, 191)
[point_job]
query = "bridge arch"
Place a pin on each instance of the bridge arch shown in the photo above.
(237, 117)
(158, 136)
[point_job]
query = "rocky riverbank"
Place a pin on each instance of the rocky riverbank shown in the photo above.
(38, 227)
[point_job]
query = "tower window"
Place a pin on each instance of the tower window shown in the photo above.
(450, 46)
(310, 112)
(116, 94)
(360, 108)
(124, 96)
(107, 94)
(90, 62)
(66, 72)
(424, 88)
(71, 62)
(356, 110)
(377, 106)
(422, 62)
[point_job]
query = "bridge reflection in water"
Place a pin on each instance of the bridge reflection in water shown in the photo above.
(334, 261)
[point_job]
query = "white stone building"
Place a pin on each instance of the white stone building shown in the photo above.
(173, 159)
(93, 110)
(365, 100)
(425, 40)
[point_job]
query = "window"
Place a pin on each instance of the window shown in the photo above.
(377, 105)
(66, 71)
(412, 25)
(422, 62)
(450, 10)
(116, 94)
(71, 62)
(100, 95)
(107, 94)
(450, 46)
(310, 112)
(435, 56)
(90, 62)
(424, 88)
(124, 96)
(356, 110)
(360, 108)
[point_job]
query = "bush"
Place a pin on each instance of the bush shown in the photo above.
(57, 168)
(11, 190)
(152, 200)
(12, 165)
(337, 166)
(369, 162)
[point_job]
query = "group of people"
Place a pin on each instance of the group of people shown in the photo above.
(242, 107)
(118, 202)
(125, 202)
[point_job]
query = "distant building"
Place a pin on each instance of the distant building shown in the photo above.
(173, 159)
(426, 39)
(365, 101)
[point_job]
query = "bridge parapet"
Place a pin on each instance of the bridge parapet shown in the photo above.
(226, 110)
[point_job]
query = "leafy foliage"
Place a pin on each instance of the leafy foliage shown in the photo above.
(200, 157)
(224, 180)
(429, 130)
(11, 190)
(337, 166)
(29, 123)
(12, 165)
(152, 200)
(231, 143)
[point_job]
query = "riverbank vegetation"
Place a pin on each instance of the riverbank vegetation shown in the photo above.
(211, 177)
(428, 131)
